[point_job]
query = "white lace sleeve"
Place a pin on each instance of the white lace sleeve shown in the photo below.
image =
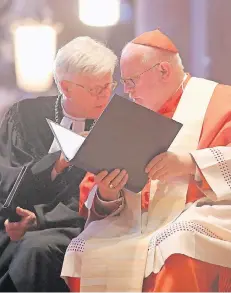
(215, 165)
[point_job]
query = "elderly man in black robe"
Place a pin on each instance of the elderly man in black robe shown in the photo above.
(32, 250)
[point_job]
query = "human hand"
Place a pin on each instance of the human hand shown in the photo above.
(169, 165)
(16, 230)
(110, 184)
(84, 133)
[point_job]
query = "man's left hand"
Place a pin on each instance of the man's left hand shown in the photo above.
(16, 230)
(169, 165)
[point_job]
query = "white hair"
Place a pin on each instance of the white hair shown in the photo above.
(159, 54)
(83, 55)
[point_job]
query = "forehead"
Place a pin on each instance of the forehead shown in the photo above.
(134, 59)
(91, 80)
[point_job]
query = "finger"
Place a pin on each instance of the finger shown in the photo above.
(118, 179)
(30, 220)
(154, 161)
(122, 182)
(110, 177)
(157, 167)
(160, 175)
(84, 133)
(61, 164)
(152, 173)
(23, 213)
(99, 177)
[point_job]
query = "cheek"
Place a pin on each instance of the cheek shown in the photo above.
(82, 99)
(106, 95)
(142, 88)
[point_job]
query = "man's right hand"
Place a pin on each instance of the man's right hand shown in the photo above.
(16, 230)
(109, 185)
(59, 166)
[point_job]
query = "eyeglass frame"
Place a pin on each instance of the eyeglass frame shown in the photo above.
(124, 80)
(101, 89)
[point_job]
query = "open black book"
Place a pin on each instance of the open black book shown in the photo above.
(126, 136)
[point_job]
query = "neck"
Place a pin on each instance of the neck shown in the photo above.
(177, 85)
(180, 83)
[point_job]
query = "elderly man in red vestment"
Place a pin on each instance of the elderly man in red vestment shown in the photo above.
(180, 238)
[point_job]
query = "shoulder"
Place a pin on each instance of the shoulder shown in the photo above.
(36, 109)
(28, 112)
(39, 103)
(218, 114)
(220, 103)
(222, 93)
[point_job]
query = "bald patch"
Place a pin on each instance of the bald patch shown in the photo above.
(145, 54)
(136, 51)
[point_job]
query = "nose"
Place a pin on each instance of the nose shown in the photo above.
(128, 89)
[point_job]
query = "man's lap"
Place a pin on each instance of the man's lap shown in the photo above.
(38, 253)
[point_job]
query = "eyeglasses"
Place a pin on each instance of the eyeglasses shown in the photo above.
(131, 82)
(96, 91)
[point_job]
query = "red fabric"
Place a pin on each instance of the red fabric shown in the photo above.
(184, 274)
(73, 284)
(84, 188)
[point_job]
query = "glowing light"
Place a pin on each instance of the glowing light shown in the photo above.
(99, 13)
(35, 49)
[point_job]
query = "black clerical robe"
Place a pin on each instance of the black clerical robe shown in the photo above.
(34, 263)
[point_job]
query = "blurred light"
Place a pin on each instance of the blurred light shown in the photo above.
(99, 12)
(35, 49)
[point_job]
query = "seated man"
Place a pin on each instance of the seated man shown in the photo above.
(48, 201)
(179, 238)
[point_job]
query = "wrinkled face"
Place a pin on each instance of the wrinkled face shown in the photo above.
(143, 81)
(86, 95)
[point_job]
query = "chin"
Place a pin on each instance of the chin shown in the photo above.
(95, 115)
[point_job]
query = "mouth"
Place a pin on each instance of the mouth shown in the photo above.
(136, 99)
(100, 106)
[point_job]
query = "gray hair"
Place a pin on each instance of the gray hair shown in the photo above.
(83, 55)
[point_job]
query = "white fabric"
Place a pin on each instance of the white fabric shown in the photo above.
(168, 198)
(215, 165)
(73, 258)
(196, 230)
(190, 112)
(91, 197)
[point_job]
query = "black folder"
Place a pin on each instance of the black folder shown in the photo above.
(8, 209)
(126, 136)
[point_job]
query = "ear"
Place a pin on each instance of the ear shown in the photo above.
(165, 70)
(66, 88)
